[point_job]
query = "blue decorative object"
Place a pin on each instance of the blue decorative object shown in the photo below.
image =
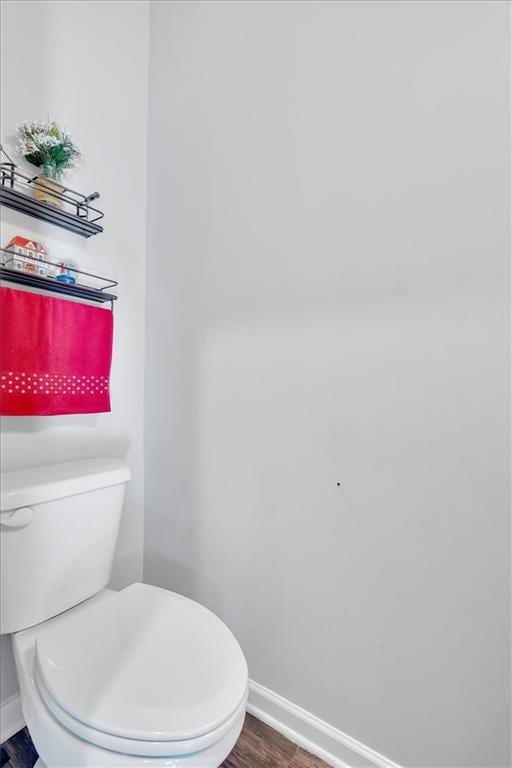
(65, 277)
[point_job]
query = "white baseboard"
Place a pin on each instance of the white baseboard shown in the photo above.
(11, 718)
(312, 734)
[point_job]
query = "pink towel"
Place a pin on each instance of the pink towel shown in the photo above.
(55, 355)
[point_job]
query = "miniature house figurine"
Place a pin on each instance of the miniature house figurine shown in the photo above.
(28, 256)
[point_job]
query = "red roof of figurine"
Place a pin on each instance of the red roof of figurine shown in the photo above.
(24, 242)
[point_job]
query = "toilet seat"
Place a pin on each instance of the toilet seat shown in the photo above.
(128, 746)
(145, 672)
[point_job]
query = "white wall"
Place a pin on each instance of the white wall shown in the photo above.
(85, 64)
(327, 301)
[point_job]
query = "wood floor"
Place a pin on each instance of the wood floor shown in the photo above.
(258, 747)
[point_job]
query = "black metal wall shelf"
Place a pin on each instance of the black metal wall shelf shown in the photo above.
(88, 286)
(72, 210)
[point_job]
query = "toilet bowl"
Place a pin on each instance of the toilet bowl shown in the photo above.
(94, 683)
(138, 678)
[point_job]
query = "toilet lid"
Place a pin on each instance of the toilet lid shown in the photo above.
(144, 664)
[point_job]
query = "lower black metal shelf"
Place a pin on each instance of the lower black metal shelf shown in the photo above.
(55, 286)
(23, 270)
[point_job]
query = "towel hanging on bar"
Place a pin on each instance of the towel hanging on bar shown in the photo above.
(55, 355)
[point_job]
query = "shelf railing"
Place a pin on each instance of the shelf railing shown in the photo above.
(71, 209)
(88, 285)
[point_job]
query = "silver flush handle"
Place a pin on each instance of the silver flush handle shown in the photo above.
(18, 519)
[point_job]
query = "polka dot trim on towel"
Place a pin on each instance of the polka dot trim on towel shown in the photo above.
(30, 383)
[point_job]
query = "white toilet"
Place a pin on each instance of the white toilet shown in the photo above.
(140, 677)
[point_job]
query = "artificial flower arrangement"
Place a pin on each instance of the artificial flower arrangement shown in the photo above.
(53, 150)
(48, 146)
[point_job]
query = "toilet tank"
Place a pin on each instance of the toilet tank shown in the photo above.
(58, 532)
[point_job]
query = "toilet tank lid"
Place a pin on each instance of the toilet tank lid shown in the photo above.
(35, 485)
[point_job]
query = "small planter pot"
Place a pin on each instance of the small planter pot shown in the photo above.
(48, 180)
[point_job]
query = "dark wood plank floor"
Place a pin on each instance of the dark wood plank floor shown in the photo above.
(20, 751)
(258, 747)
